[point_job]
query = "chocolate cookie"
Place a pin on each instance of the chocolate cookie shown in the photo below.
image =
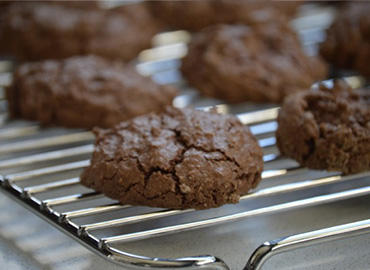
(34, 31)
(347, 44)
(69, 3)
(238, 63)
(179, 159)
(83, 92)
(327, 128)
(195, 15)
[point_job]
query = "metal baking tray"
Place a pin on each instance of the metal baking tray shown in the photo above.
(40, 167)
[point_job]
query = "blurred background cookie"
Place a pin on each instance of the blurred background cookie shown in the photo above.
(35, 31)
(347, 44)
(195, 15)
(239, 63)
(84, 92)
(69, 3)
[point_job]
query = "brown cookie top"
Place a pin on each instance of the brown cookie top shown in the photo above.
(195, 15)
(34, 31)
(238, 63)
(84, 92)
(347, 44)
(327, 128)
(181, 158)
(70, 3)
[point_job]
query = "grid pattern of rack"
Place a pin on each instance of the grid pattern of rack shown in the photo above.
(40, 167)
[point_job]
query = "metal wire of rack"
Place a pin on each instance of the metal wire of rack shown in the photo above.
(40, 169)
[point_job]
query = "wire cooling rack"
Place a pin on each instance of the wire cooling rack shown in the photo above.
(40, 169)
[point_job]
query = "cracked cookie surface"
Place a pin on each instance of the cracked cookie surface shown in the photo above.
(239, 63)
(179, 159)
(327, 128)
(85, 91)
